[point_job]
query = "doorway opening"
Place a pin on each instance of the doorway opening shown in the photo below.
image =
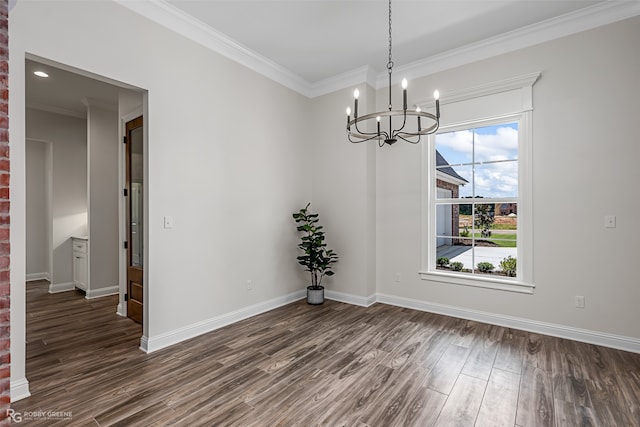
(86, 189)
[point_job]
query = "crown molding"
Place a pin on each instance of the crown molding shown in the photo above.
(176, 20)
(349, 79)
(163, 13)
(97, 103)
(57, 110)
(571, 23)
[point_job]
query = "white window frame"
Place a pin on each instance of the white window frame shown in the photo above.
(501, 102)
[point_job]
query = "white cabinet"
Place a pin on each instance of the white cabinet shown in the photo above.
(80, 263)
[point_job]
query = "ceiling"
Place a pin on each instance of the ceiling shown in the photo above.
(319, 39)
(311, 42)
(65, 92)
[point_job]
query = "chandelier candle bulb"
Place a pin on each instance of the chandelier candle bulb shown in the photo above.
(418, 111)
(356, 94)
(404, 94)
(436, 96)
(348, 118)
(378, 120)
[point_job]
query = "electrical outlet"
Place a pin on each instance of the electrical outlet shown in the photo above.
(398, 277)
(168, 222)
(579, 301)
(249, 285)
(610, 221)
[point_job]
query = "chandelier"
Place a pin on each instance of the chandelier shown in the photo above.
(390, 135)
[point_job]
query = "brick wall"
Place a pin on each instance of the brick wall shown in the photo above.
(5, 371)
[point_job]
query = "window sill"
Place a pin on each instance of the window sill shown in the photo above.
(478, 282)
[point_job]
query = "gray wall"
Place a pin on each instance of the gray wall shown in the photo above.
(38, 223)
(68, 136)
(103, 145)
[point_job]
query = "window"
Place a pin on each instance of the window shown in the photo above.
(476, 203)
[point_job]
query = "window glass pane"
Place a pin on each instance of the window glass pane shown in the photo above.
(456, 147)
(498, 142)
(496, 179)
(465, 219)
(456, 180)
(481, 161)
(446, 224)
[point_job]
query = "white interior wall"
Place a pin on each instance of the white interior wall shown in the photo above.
(229, 179)
(103, 145)
(37, 212)
(344, 195)
(69, 184)
(584, 150)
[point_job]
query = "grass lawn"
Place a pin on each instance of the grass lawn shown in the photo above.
(504, 226)
(502, 240)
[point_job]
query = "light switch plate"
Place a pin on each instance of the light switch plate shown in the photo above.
(168, 222)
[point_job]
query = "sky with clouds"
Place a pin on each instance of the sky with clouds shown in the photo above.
(487, 157)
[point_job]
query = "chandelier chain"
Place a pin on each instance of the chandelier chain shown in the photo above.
(390, 63)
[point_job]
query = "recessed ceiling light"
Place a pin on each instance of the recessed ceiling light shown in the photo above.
(41, 74)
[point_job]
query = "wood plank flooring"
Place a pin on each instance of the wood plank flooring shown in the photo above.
(329, 365)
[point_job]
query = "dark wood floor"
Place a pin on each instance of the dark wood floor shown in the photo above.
(330, 365)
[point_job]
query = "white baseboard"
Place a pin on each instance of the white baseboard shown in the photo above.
(102, 292)
(350, 299)
(19, 389)
(144, 344)
(54, 288)
(120, 310)
(151, 344)
(576, 334)
(631, 344)
(32, 277)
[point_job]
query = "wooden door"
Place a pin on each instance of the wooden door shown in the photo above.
(135, 220)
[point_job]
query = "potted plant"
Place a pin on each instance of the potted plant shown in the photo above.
(317, 259)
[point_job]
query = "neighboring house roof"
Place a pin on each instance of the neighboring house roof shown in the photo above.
(443, 166)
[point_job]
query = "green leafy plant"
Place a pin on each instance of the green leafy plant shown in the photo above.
(484, 219)
(317, 259)
(485, 267)
(456, 266)
(442, 261)
(465, 233)
(508, 266)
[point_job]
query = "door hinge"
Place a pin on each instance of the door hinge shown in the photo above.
(126, 245)
(126, 193)
(126, 297)
(124, 139)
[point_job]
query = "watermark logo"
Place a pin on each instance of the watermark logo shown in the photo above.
(18, 416)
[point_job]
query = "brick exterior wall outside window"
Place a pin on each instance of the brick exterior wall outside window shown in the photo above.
(5, 371)
(455, 209)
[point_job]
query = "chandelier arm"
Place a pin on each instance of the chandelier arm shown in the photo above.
(359, 119)
(428, 131)
(408, 140)
(354, 123)
(361, 138)
(404, 123)
(393, 133)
